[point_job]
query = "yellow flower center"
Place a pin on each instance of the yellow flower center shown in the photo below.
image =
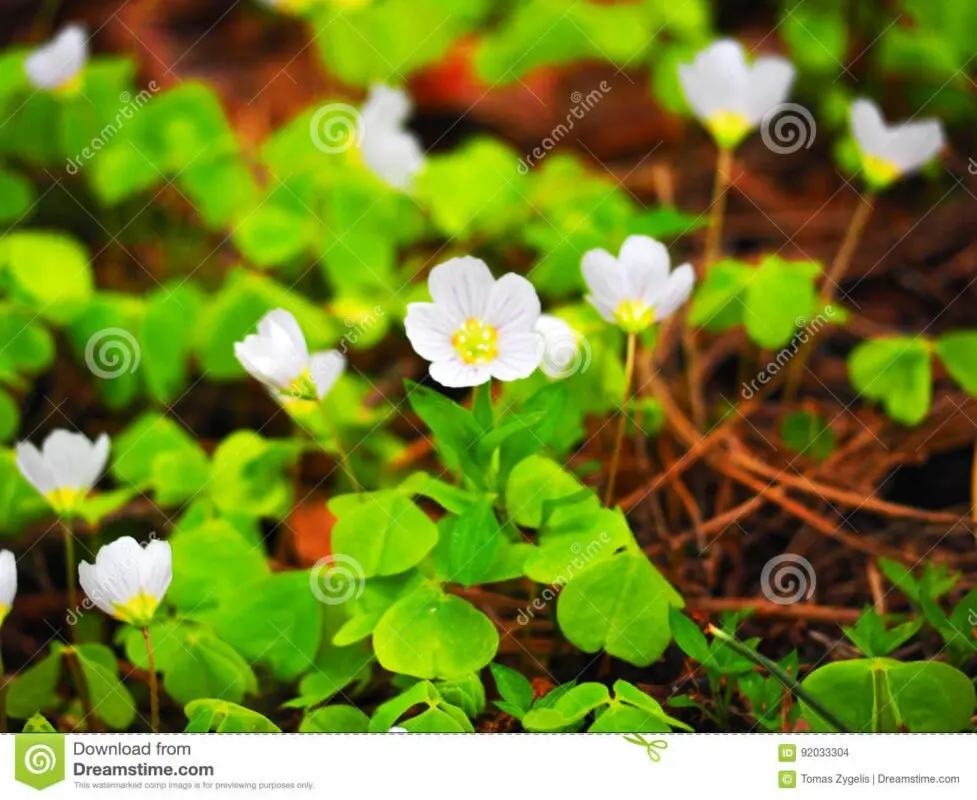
(302, 388)
(879, 173)
(476, 342)
(70, 87)
(64, 499)
(4, 610)
(138, 611)
(634, 315)
(728, 128)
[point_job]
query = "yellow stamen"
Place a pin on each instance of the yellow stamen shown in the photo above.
(64, 498)
(634, 315)
(138, 611)
(728, 128)
(70, 87)
(302, 388)
(879, 172)
(476, 342)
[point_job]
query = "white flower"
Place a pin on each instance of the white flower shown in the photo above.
(390, 151)
(636, 289)
(66, 467)
(891, 151)
(561, 348)
(279, 357)
(57, 65)
(128, 581)
(477, 328)
(730, 96)
(8, 582)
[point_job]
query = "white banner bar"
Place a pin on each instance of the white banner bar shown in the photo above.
(487, 766)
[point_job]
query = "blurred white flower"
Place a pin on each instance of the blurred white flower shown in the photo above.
(560, 345)
(892, 151)
(128, 581)
(57, 64)
(66, 467)
(391, 151)
(477, 328)
(636, 289)
(8, 583)
(730, 96)
(279, 357)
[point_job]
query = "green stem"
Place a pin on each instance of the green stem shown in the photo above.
(343, 457)
(622, 420)
(153, 683)
(70, 567)
(78, 678)
(3, 697)
(781, 675)
(717, 210)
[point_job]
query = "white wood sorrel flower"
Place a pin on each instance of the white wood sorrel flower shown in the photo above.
(477, 328)
(8, 583)
(389, 150)
(66, 467)
(57, 65)
(279, 357)
(730, 96)
(128, 581)
(891, 151)
(636, 289)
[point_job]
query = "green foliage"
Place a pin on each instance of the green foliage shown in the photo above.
(897, 373)
(885, 696)
(772, 300)
(224, 717)
(808, 434)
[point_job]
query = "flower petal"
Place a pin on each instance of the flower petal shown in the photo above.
(8, 580)
(646, 265)
(770, 80)
(156, 569)
(560, 347)
(520, 353)
(868, 127)
(461, 288)
(606, 278)
(35, 470)
(453, 373)
(326, 367)
(53, 64)
(676, 291)
(512, 304)
(915, 143)
(88, 577)
(429, 330)
(718, 80)
(281, 328)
